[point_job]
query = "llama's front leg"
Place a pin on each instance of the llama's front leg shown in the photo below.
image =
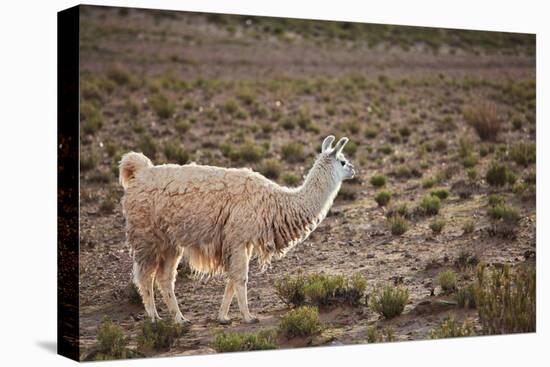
(239, 276)
(226, 302)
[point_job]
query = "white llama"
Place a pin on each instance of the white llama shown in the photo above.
(219, 218)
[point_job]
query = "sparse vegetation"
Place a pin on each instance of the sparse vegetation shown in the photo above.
(378, 180)
(468, 226)
(437, 225)
(452, 329)
(293, 152)
(483, 117)
(148, 146)
(240, 342)
(523, 153)
(499, 175)
(158, 335)
(389, 301)
(441, 193)
(91, 118)
(465, 296)
(111, 343)
(506, 299)
(382, 198)
(301, 321)
(162, 105)
(397, 225)
(321, 289)
(430, 205)
(291, 179)
(271, 168)
(175, 152)
(447, 281)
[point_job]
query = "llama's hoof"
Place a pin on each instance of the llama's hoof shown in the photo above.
(251, 320)
(182, 321)
(224, 321)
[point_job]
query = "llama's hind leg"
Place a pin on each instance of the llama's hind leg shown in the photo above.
(226, 302)
(238, 273)
(144, 278)
(166, 278)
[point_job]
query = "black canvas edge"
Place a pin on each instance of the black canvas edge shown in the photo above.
(68, 183)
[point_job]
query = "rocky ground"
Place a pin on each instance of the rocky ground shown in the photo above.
(235, 91)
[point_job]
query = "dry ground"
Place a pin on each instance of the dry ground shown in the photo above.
(152, 82)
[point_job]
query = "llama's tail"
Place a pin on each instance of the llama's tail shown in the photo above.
(129, 165)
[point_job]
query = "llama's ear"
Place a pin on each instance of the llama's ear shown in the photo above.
(327, 143)
(340, 145)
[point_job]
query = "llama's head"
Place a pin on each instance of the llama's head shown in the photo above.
(340, 166)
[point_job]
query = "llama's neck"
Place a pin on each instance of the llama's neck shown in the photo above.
(317, 192)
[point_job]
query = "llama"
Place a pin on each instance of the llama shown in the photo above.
(219, 218)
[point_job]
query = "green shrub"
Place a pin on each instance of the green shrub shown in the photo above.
(111, 343)
(452, 329)
(240, 342)
(182, 126)
(494, 200)
(291, 179)
(397, 225)
(382, 198)
(132, 106)
(524, 154)
(386, 149)
(147, 146)
(472, 173)
(465, 147)
(321, 289)
(301, 321)
(506, 299)
(468, 226)
(430, 205)
(498, 175)
(175, 152)
(429, 182)
(483, 117)
(378, 180)
(406, 171)
(158, 335)
(271, 168)
(132, 292)
(162, 105)
(439, 145)
(91, 118)
(119, 74)
(469, 161)
(251, 152)
(371, 132)
(505, 213)
(293, 152)
(107, 204)
(441, 193)
(404, 131)
(288, 124)
(350, 148)
(389, 301)
(465, 297)
(447, 280)
(88, 161)
(437, 225)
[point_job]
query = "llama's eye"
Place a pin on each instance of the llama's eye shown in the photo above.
(342, 163)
